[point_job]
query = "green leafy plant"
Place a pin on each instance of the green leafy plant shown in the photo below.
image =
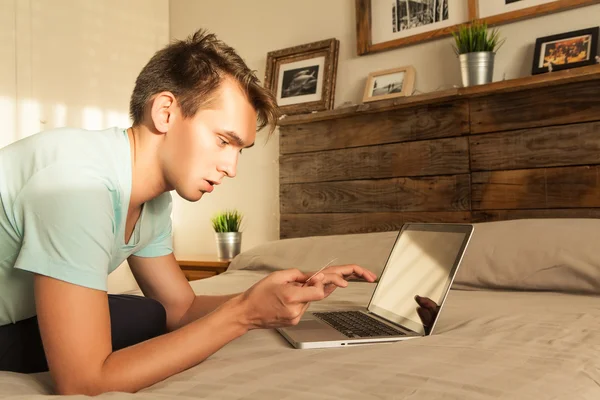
(476, 37)
(227, 221)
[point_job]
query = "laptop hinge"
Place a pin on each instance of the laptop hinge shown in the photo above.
(388, 322)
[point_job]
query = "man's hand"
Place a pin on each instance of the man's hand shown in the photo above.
(280, 299)
(339, 275)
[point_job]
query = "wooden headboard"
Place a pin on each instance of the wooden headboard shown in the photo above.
(524, 148)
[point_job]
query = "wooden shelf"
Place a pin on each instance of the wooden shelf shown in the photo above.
(580, 74)
(203, 267)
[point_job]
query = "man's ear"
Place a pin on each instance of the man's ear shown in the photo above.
(162, 111)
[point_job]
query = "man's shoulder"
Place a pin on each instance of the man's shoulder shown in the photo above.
(93, 140)
(65, 162)
(93, 151)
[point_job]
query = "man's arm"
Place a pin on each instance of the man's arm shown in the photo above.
(161, 279)
(75, 328)
(74, 325)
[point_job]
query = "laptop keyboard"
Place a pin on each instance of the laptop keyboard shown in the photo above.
(357, 324)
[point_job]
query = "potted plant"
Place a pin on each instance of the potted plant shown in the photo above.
(226, 225)
(476, 46)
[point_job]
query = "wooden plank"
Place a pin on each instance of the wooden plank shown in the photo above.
(363, 26)
(420, 123)
(576, 144)
(581, 74)
(203, 261)
(372, 107)
(301, 225)
(502, 215)
(443, 193)
(565, 187)
(195, 275)
(422, 158)
(571, 103)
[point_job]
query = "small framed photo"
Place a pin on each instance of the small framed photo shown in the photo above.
(390, 83)
(565, 50)
(303, 77)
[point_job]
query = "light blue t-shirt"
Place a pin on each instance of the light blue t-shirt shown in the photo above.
(64, 196)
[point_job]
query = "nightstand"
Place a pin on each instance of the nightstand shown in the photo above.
(203, 267)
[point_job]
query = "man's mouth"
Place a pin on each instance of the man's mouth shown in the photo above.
(209, 187)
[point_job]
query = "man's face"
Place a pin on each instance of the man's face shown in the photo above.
(200, 151)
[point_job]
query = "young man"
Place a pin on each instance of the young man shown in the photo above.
(75, 204)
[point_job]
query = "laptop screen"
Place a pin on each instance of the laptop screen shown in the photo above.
(422, 263)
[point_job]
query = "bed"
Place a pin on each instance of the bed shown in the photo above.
(528, 330)
(518, 159)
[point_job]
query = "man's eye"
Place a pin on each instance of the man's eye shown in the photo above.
(223, 143)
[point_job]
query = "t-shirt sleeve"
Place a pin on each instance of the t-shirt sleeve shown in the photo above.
(67, 227)
(159, 211)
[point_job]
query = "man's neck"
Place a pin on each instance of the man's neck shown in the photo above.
(147, 180)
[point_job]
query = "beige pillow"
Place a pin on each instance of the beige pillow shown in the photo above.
(369, 250)
(526, 254)
(533, 254)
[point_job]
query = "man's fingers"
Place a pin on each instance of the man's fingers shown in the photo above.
(304, 294)
(334, 279)
(291, 275)
(352, 269)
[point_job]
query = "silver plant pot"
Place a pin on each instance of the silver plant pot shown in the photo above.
(477, 68)
(229, 244)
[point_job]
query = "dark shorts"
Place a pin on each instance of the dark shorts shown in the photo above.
(133, 319)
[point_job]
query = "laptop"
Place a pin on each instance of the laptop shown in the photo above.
(423, 262)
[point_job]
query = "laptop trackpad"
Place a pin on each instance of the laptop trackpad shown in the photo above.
(312, 329)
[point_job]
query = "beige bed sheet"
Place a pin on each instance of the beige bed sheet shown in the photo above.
(489, 345)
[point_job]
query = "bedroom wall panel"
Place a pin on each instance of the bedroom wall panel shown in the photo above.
(544, 106)
(532, 151)
(563, 187)
(440, 193)
(430, 121)
(573, 144)
(500, 215)
(419, 158)
(299, 225)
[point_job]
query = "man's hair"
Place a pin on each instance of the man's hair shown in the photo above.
(192, 70)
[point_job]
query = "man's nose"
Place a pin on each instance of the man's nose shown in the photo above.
(229, 166)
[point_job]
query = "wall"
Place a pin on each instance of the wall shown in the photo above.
(255, 28)
(74, 62)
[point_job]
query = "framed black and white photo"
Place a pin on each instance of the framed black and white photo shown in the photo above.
(565, 50)
(383, 25)
(496, 12)
(488, 8)
(303, 77)
(389, 83)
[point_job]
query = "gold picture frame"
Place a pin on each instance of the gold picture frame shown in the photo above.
(389, 83)
(364, 21)
(303, 77)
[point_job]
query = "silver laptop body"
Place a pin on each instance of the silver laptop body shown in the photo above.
(424, 261)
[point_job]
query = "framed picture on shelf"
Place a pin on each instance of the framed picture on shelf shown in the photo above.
(389, 83)
(303, 77)
(502, 11)
(565, 50)
(388, 24)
